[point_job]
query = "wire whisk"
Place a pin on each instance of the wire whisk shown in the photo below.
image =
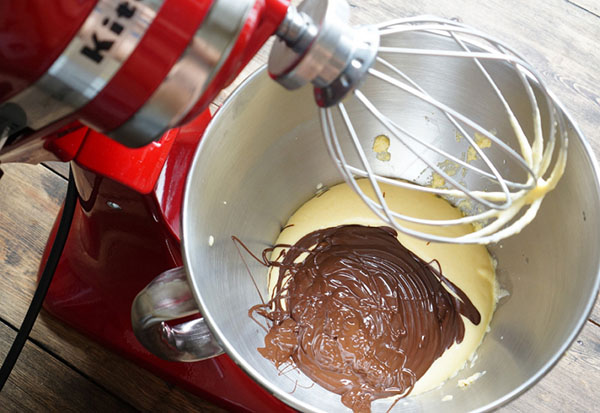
(451, 111)
(504, 206)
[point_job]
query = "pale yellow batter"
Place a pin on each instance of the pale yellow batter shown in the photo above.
(470, 267)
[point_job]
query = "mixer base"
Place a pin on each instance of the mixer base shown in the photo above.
(119, 241)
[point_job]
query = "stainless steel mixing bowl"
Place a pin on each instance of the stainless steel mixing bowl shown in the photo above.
(263, 156)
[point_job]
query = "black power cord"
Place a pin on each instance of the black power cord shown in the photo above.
(44, 283)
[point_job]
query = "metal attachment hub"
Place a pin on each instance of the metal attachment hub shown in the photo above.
(316, 44)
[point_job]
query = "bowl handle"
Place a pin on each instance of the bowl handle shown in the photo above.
(168, 297)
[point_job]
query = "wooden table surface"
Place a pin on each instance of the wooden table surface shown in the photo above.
(61, 370)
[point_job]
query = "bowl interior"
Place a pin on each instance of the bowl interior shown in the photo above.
(263, 156)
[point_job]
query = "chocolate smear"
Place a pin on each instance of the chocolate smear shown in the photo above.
(360, 314)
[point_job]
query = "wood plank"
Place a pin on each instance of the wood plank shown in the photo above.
(591, 6)
(595, 315)
(572, 386)
(60, 168)
(130, 382)
(36, 194)
(40, 383)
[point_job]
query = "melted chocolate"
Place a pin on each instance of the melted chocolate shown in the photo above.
(360, 314)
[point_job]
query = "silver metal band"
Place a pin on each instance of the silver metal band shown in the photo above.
(104, 42)
(316, 44)
(189, 77)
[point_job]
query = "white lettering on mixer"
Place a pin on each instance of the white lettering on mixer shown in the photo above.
(105, 40)
(124, 11)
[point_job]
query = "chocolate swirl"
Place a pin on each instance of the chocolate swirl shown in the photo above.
(360, 314)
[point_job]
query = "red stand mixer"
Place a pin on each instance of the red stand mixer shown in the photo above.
(136, 71)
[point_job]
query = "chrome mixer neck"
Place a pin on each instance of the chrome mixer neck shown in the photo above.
(316, 44)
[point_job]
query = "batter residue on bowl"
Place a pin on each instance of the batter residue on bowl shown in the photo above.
(367, 313)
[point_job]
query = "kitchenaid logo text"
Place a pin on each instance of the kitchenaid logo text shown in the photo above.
(124, 12)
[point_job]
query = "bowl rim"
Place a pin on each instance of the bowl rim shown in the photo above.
(299, 404)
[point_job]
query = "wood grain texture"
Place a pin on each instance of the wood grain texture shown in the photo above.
(25, 222)
(60, 168)
(595, 315)
(571, 386)
(27, 389)
(27, 216)
(591, 6)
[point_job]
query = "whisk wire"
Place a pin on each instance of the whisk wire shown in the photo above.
(499, 213)
(348, 171)
(522, 68)
(495, 175)
(454, 114)
(337, 154)
(397, 132)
